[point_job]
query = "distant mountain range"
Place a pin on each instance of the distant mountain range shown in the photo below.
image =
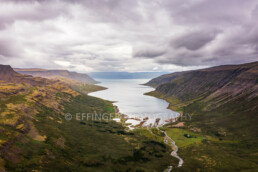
(125, 75)
(58, 74)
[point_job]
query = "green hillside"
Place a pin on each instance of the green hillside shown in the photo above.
(222, 102)
(37, 135)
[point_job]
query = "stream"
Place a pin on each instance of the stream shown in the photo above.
(169, 141)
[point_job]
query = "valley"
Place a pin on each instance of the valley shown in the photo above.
(36, 136)
(215, 131)
(128, 86)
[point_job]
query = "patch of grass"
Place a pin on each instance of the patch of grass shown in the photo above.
(216, 156)
(109, 108)
(148, 135)
(230, 142)
(85, 88)
(178, 135)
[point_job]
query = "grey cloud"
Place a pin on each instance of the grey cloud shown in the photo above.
(9, 48)
(111, 11)
(31, 12)
(194, 40)
(150, 52)
(117, 34)
(229, 28)
(205, 12)
(5, 49)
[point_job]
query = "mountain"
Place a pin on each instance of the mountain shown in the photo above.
(80, 82)
(46, 125)
(58, 74)
(233, 80)
(125, 75)
(223, 104)
(8, 75)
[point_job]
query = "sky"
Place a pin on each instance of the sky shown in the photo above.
(127, 35)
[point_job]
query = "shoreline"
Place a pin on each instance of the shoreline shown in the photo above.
(142, 120)
(167, 140)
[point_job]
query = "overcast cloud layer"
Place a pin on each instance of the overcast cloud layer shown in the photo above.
(128, 35)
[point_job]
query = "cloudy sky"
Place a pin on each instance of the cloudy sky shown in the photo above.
(127, 35)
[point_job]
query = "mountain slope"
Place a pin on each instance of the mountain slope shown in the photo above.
(210, 83)
(84, 78)
(80, 82)
(37, 133)
(223, 104)
(8, 75)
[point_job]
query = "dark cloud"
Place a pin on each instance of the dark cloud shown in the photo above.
(5, 49)
(9, 48)
(100, 10)
(217, 32)
(149, 52)
(123, 34)
(205, 12)
(29, 10)
(194, 40)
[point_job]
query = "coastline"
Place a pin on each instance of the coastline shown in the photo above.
(167, 140)
(170, 105)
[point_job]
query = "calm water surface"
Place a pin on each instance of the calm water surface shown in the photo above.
(129, 96)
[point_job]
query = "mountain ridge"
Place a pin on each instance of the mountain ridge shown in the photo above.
(215, 81)
(81, 77)
(7, 74)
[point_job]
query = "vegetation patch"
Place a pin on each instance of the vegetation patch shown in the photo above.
(183, 137)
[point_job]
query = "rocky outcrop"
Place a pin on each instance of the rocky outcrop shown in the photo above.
(7, 73)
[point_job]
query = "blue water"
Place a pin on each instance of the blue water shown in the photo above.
(129, 96)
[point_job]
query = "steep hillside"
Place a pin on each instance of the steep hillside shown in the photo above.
(40, 131)
(210, 83)
(84, 78)
(223, 104)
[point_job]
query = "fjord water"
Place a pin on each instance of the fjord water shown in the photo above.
(129, 97)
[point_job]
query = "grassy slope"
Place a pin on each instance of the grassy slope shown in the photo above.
(180, 137)
(81, 87)
(228, 138)
(61, 145)
(86, 88)
(224, 118)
